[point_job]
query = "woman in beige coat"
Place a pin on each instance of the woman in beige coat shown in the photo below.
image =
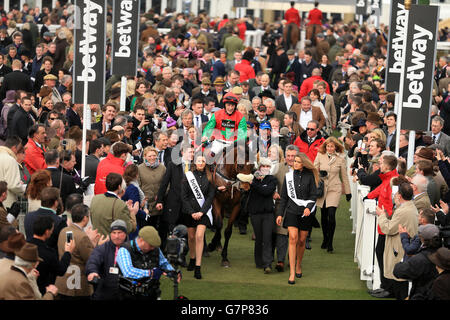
(151, 173)
(332, 169)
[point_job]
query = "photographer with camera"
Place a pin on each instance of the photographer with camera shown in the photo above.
(141, 264)
(197, 194)
(101, 268)
(143, 128)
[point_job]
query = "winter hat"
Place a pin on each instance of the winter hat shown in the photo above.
(119, 225)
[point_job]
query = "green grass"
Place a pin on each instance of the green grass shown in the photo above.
(325, 276)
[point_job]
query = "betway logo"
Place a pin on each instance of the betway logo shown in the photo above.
(397, 41)
(415, 73)
(124, 29)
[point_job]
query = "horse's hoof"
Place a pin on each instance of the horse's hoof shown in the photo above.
(226, 264)
(219, 248)
(211, 247)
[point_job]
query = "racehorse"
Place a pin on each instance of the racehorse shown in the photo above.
(291, 35)
(225, 173)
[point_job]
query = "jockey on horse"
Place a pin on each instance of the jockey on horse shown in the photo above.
(225, 125)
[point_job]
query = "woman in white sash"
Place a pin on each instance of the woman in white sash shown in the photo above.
(298, 201)
(197, 194)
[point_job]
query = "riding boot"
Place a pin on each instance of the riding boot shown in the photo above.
(191, 265)
(197, 273)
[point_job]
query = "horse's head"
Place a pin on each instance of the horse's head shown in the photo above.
(243, 163)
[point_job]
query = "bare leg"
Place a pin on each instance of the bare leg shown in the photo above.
(301, 250)
(199, 236)
(191, 242)
(293, 240)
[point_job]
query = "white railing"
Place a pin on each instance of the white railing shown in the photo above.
(365, 226)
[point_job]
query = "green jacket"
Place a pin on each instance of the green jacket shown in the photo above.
(106, 209)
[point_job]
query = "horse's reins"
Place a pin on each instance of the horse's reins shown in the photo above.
(232, 183)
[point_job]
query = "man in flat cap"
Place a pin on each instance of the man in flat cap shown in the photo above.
(19, 283)
(50, 81)
(141, 263)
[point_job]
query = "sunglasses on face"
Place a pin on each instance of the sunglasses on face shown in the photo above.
(310, 129)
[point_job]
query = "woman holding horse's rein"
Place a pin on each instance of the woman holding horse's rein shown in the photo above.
(298, 201)
(197, 195)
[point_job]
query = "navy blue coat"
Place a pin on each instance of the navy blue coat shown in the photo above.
(100, 260)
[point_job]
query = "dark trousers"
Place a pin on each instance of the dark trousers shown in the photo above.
(281, 246)
(328, 220)
(262, 226)
(379, 251)
(398, 288)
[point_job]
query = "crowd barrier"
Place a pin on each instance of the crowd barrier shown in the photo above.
(364, 228)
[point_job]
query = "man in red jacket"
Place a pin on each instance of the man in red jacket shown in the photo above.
(310, 140)
(245, 68)
(383, 194)
(34, 149)
(114, 162)
(308, 84)
(292, 15)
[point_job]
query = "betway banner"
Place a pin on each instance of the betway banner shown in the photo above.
(420, 55)
(89, 57)
(397, 30)
(125, 37)
(361, 6)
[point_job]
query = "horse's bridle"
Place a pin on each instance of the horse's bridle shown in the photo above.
(233, 183)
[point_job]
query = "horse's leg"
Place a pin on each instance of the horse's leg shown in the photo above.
(228, 232)
(215, 242)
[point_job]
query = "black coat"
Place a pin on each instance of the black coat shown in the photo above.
(172, 202)
(420, 270)
(51, 267)
(20, 124)
(100, 260)
(67, 186)
(305, 189)
(260, 198)
(372, 180)
(16, 80)
(59, 224)
(73, 119)
(39, 79)
(91, 167)
(190, 204)
(146, 134)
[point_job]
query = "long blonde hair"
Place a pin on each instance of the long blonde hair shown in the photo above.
(308, 165)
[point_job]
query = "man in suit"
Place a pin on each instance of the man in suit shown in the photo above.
(161, 142)
(285, 101)
(219, 86)
(108, 207)
(16, 80)
(305, 113)
(246, 92)
(307, 66)
(232, 63)
(4, 69)
(21, 120)
(203, 91)
(390, 131)
(272, 112)
(199, 119)
(294, 66)
(61, 180)
(171, 202)
(440, 139)
(421, 199)
(265, 85)
(232, 80)
(328, 103)
(106, 122)
(218, 68)
(50, 201)
(93, 159)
